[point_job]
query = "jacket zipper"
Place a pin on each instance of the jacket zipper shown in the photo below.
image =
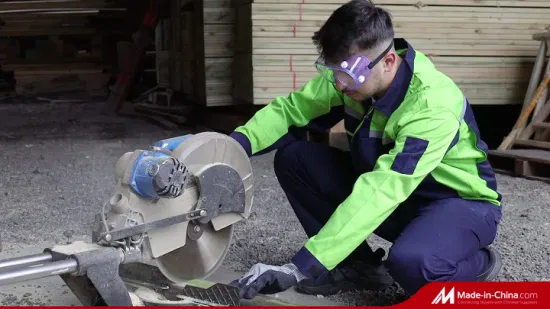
(369, 112)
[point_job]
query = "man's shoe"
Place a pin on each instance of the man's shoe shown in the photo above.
(349, 275)
(494, 266)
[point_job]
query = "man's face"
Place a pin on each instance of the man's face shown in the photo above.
(377, 81)
(367, 89)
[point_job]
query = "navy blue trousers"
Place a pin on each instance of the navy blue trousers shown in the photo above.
(433, 240)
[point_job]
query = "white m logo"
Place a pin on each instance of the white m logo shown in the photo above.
(443, 299)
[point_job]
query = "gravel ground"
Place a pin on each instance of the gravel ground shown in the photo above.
(61, 184)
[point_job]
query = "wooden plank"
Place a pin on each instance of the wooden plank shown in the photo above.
(439, 61)
(541, 116)
(422, 43)
(473, 76)
(543, 36)
(304, 28)
(46, 31)
(532, 143)
(474, 3)
(218, 67)
(542, 125)
(219, 15)
(49, 4)
(409, 33)
(533, 155)
(446, 47)
(527, 163)
(466, 64)
(55, 18)
(59, 11)
(219, 48)
(509, 90)
(440, 50)
(474, 41)
(398, 23)
(320, 11)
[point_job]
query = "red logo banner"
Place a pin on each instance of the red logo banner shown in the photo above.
(524, 294)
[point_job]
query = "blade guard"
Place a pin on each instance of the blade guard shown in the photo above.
(201, 151)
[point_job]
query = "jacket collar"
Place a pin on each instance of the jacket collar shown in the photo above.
(391, 100)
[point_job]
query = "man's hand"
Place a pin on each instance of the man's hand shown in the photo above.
(267, 279)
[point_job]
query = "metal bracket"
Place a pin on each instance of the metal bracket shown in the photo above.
(142, 228)
(96, 280)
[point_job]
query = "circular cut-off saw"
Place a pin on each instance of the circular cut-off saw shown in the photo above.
(168, 222)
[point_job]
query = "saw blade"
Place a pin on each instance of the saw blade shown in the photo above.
(205, 250)
(198, 258)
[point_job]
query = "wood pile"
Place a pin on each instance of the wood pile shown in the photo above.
(209, 48)
(53, 45)
(486, 46)
(219, 43)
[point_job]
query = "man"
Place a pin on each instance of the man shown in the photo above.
(416, 174)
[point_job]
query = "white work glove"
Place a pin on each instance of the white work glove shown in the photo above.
(268, 279)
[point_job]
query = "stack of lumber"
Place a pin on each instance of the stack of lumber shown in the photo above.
(39, 79)
(48, 39)
(219, 42)
(209, 48)
(52, 17)
(486, 46)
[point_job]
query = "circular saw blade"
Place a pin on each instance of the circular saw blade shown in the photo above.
(201, 256)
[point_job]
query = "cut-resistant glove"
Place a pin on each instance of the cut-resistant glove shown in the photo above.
(267, 279)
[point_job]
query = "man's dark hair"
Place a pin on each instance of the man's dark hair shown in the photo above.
(358, 24)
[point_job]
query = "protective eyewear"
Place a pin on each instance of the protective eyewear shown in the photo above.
(351, 72)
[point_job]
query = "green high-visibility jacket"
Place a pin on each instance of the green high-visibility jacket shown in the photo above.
(420, 138)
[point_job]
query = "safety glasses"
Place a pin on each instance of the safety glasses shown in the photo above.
(351, 72)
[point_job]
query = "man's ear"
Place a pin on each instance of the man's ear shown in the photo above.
(390, 61)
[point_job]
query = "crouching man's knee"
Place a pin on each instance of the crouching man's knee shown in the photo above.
(415, 266)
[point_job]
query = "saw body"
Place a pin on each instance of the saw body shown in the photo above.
(172, 210)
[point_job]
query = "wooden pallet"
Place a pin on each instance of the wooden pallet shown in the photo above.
(527, 163)
(526, 150)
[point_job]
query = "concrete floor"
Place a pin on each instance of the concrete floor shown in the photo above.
(58, 162)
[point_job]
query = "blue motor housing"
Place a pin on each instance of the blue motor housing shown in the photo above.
(158, 175)
(172, 143)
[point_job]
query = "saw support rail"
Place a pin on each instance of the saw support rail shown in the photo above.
(90, 271)
(26, 268)
(99, 276)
